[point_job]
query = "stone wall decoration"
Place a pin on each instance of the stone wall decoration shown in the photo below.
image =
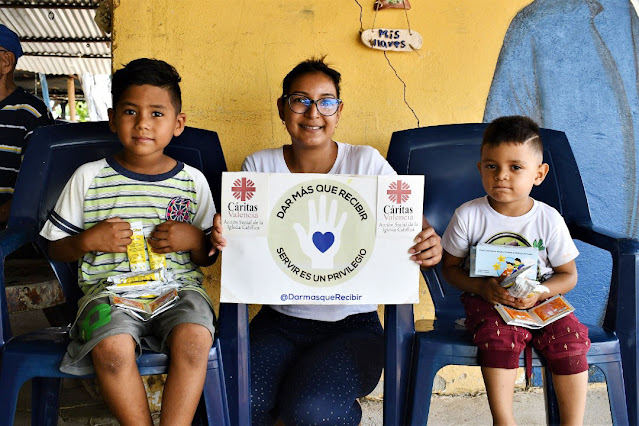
(392, 4)
(392, 39)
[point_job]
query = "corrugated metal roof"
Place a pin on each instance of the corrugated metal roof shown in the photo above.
(58, 36)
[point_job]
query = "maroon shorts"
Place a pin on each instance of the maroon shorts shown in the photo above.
(563, 344)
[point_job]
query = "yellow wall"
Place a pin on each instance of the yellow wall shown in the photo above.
(232, 56)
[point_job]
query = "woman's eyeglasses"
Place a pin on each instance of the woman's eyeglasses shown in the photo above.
(299, 104)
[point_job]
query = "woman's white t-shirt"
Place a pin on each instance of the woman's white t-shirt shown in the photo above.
(351, 160)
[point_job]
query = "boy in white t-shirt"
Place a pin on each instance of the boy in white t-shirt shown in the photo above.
(511, 164)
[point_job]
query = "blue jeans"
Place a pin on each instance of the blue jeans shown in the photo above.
(311, 372)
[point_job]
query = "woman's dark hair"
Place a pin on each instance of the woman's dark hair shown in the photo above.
(311, 66)
(147, 71)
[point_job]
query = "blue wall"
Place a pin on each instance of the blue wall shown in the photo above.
(572, 65)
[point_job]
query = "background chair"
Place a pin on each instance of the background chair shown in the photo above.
(53, 155)
(447, 156)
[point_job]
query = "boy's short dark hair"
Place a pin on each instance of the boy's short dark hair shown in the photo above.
(513, 129)
(153, 72)
(310, 66)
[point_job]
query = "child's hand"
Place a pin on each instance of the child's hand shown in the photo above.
(427, 251)
(526, 302)
(494, 293)
(110, 236)
(172, 236)
(217, 240)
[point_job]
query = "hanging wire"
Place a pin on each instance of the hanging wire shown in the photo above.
(361, 27)
(400, 79)
(410, 31)
(375, 16)
(406, 13)
(415, 50)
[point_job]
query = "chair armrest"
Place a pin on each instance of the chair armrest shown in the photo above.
(623, 296)
(610, 241)
(234, 343)
(233, 323)
(399, 333)
(13, 238)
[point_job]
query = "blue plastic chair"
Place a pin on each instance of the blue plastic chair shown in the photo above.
(447, 156)
(53, 155)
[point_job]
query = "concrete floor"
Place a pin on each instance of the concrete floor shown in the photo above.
(81, 406)
(78, 408)
(473, 410)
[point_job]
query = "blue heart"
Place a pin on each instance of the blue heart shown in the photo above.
(323, 241)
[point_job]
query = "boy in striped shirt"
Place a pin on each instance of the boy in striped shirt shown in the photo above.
(92, 223)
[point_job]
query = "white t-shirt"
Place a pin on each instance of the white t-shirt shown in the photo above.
(542, 227)
(352, 160)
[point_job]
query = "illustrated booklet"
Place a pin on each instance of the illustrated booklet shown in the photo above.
(538, 316)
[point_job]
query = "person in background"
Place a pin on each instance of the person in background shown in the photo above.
(20, 114)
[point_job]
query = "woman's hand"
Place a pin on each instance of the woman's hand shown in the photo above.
(217, 240)
(427, 251)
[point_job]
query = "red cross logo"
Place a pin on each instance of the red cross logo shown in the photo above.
(398, 192)
(243, 189)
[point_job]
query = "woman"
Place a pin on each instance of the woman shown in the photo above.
(310, 363)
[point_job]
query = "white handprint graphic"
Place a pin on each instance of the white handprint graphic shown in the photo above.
(322, 240)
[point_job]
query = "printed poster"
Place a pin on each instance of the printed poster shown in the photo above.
(320, 239)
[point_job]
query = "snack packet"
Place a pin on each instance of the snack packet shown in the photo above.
(145, 284)
(156, 260)
(136, 250)
(151, 291)
(138, 277)
(520, 286)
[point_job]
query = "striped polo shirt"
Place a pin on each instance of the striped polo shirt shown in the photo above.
(104, 189)
(20, 113)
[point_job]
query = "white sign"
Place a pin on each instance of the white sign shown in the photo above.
(392, 39)
(320, 239)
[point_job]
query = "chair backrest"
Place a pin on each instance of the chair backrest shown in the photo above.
(55, 152)
(447, 156)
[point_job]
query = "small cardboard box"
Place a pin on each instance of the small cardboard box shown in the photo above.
(151, 306)
(489, 260)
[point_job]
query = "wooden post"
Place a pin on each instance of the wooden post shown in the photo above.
(71, 95)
